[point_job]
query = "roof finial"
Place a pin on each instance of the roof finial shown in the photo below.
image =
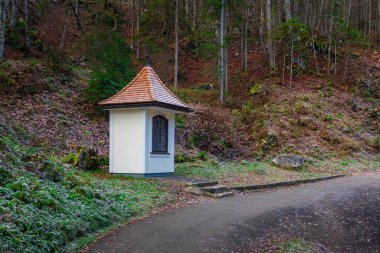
(147, 57)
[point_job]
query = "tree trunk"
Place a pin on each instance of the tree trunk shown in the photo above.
(225, 49)
(133, 26)
(291, 62)
(26, 13)
(176, 45)
(314, 52)
(369, 20)
(77, 8)
(245, 41)
(349, 12)
(221, 59)
(378, 21)
(272, 63)
(330, 39)
(14, 15)
(242, 50)
(287, 7)
(261, 36)
(187, 9)
(138, 31)
(3, 20)
(195, 14)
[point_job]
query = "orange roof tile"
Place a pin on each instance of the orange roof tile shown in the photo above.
(145, 89)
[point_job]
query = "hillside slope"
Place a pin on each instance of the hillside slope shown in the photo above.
(320, 116)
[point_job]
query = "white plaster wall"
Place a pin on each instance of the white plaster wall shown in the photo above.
(127, 141)
(160, 163)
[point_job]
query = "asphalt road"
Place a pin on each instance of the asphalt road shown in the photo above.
(342, 214)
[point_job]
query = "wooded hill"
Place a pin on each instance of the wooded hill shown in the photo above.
(264, 77)
(245, 64)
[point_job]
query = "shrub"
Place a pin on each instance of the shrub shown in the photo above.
(328, 118)
(179, 121)
(182, 158)
(375, 143)
(71, 158)
(202, 155)
(52, 171)
(88, 159)
(6, 174)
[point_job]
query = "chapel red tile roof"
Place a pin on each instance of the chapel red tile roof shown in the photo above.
(145, 89)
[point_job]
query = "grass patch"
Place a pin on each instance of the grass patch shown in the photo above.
(297, 246)
(240, 173)
(347, 167)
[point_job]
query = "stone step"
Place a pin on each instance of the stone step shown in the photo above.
(223, 195)
(205, 184)
(215, 189)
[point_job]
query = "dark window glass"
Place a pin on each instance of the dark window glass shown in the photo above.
(160, 135)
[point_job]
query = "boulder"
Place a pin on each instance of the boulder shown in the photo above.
(289, 161)
(88, 159)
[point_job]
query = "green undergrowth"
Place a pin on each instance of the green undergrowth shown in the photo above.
(46, 206)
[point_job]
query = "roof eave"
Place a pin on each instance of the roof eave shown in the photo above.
(144, 104)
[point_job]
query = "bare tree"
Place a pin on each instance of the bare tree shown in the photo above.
(225, 48)
(77, 8)
(3, 20)
(244, 41)
(330, 38)
(14, 15)
(222, 54)
(26, 13)
(272, 62)
(176, 44)
(378, 20)
(349, 12)
(133, 25)
(138, 30)
(288, 11)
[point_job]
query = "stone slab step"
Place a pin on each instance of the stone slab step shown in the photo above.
(215, 189)
(223, 195)
(205, 184)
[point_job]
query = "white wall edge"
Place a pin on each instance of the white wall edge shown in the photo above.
(111, 143)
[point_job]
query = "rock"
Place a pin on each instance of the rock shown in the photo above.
(88, 159)
(289, 161)
(223, 195)
(301, 63)
(194, 190)
(357, 106)
(215, 189)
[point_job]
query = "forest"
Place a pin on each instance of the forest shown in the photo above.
(263, 78)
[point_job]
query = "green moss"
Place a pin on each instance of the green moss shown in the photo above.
(256, 88)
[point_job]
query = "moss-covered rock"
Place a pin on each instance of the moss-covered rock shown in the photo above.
(88, 159)
(289, 161)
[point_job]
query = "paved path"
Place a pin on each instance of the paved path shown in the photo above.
(342, 214)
